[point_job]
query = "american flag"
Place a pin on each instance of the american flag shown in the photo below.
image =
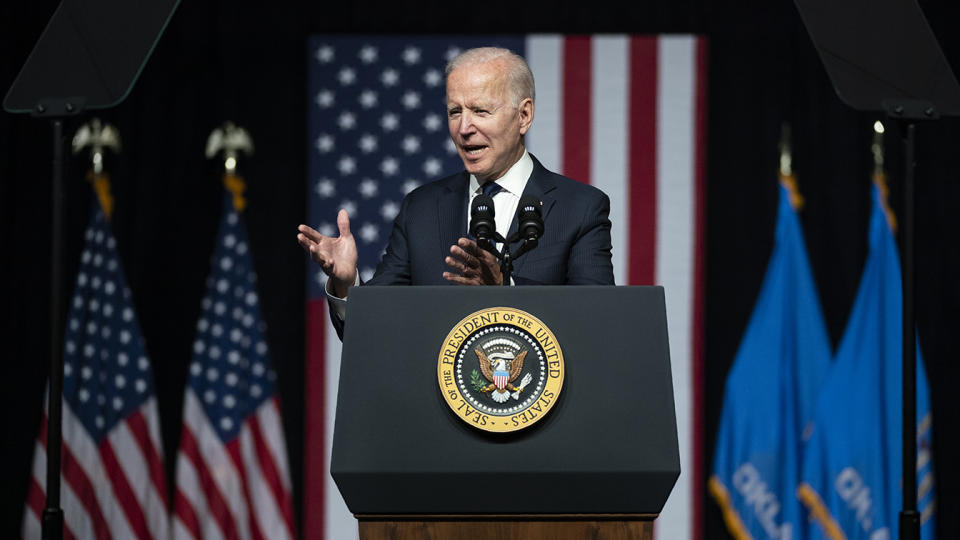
(233, 480)
(112, 480)
(624, 113)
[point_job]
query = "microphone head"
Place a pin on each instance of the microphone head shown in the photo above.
(529, 219)
(482, 204)
(482, 224)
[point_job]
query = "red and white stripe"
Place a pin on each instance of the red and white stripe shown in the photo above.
(626, 114)
(238, 490)
(112, 490)
(321, 375)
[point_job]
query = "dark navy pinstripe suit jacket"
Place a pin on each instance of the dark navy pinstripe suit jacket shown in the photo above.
(575, 247)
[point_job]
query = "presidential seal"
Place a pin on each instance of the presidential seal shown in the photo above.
(500, 369)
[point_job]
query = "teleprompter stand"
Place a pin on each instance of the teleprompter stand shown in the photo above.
(600, 464)
(882, 56)
(88, 57)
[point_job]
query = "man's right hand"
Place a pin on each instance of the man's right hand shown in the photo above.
(337, 256)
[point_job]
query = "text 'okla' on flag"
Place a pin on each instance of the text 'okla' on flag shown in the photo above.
(112, 483)
(852, 467)
(769, 395)
(233, 478)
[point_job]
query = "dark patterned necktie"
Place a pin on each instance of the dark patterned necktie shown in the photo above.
(491, 188)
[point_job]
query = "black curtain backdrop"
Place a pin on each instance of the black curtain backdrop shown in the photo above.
(246, 63)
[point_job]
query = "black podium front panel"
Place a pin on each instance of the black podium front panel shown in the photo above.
(609, 445)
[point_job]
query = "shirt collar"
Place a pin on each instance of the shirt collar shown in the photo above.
(515, 180)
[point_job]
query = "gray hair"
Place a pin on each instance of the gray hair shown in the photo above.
(519, 77)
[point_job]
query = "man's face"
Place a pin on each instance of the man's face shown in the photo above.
(484, 125)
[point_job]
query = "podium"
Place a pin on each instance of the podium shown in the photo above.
(599, 463)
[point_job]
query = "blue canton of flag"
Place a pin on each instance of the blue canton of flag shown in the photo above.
(112, 463)
(106, 371)
(232, 474)
(852, 465)
(782, 360)
(378, 129)
(231, 370)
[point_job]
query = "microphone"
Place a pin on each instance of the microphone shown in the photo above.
(529, 219)
(482, 225)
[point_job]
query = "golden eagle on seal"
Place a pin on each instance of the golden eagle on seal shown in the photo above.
(501, 369)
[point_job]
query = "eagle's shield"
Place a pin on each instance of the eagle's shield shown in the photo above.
(500, 378)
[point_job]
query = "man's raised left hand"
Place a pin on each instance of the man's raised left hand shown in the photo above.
(472, 265)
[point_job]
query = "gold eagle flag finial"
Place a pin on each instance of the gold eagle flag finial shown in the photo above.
(880, 176)
(230, 140)
(787, 178)
(97, 137)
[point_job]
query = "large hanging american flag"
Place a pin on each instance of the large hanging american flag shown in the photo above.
(233, 480)
(112, 480)
(624, 113)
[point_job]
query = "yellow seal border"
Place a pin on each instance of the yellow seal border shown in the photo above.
(447, 376)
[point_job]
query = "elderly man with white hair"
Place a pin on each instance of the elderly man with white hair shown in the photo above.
(490, 107)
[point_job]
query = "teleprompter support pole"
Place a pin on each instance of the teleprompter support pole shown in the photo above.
(909, 517)
(52, 521)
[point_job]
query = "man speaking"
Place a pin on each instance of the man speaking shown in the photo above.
(490, 107)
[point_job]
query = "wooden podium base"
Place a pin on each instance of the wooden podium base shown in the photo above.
(508, 527)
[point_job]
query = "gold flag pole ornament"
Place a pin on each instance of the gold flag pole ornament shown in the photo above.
(231, 140)
(787, 178)
(879, 176)
(97, 137)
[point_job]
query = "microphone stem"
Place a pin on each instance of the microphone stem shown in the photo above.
(506, 264)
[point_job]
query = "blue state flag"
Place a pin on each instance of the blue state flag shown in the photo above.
(851, 478)
(769, 396)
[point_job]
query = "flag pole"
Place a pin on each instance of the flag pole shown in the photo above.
(909, 517)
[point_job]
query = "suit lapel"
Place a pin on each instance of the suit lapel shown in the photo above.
(540, 185)
(452, 214)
